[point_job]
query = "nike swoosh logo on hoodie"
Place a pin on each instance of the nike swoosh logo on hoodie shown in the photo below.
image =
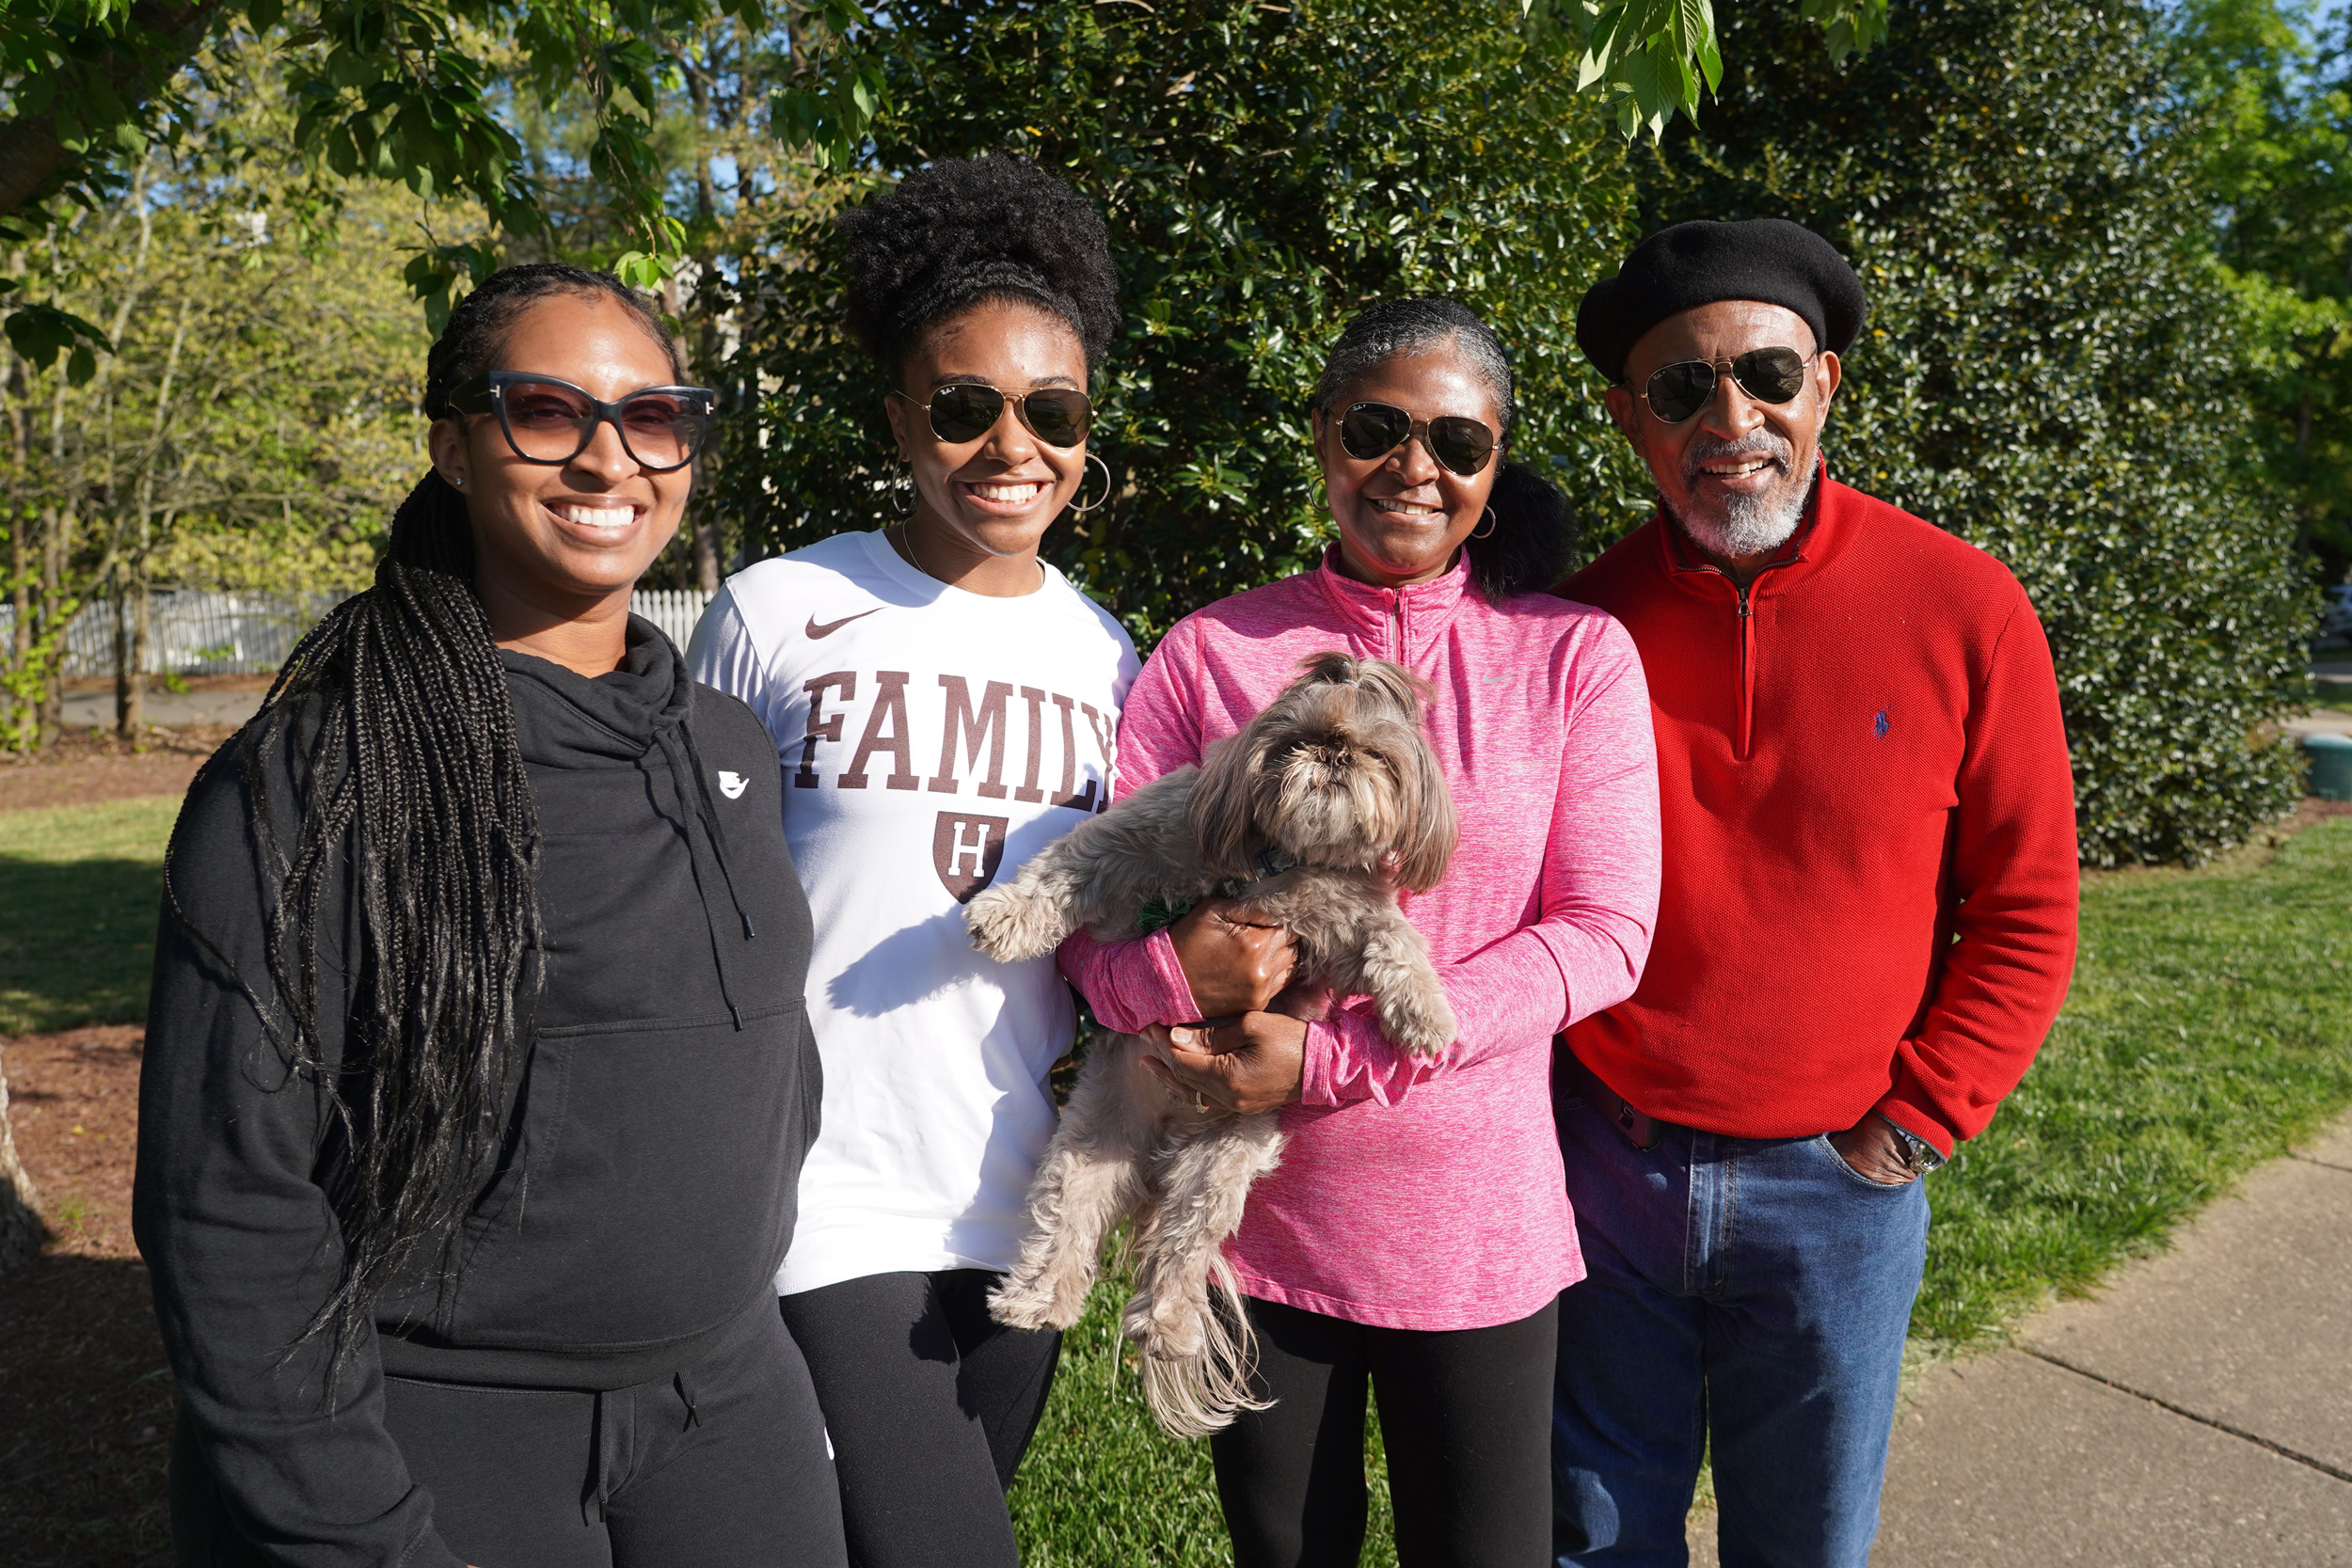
(813, 630)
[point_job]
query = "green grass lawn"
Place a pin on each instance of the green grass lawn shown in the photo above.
(2210, 1025)
(80, 887)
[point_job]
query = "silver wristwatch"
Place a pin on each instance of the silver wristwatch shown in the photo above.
(1919, 1153)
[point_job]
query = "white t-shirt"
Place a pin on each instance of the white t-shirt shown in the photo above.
(931, 740)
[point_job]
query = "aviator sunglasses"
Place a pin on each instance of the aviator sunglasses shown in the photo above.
(1771, 375)
(1371, 430)
(964, 411)
(546, 420)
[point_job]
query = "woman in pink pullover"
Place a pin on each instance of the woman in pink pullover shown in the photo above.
(1416, 1235)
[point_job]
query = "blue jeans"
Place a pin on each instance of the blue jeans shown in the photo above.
(1755, 1291)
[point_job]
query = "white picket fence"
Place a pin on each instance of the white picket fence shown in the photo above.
(674, 610)
(197, 633)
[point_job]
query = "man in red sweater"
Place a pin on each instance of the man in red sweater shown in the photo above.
(1865, 930)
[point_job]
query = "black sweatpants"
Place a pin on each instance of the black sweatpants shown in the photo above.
(1465, 1418)
(931, 1403)
(722, 1462)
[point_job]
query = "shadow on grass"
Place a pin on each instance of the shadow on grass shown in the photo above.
(89, 1410)
(76, 942)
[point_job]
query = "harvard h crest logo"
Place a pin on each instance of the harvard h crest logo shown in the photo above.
(966, 851)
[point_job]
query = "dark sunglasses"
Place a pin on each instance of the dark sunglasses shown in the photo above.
(546, 420)
(965, 411)
(1370, 430)
(1767, 374)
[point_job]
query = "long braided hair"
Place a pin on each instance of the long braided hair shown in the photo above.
(395, 711)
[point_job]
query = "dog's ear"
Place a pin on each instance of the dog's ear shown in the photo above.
(1427, 809)
(1223, 811)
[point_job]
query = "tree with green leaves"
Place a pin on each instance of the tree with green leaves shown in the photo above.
(2275, 130)
(1265, 171)
(2054, 369)
(254, 425)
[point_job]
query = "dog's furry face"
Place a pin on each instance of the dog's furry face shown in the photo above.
(1336, 773)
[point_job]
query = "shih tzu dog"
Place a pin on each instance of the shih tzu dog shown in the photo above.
(1310, 818)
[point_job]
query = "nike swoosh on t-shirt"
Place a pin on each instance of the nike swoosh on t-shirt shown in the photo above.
(813, 630)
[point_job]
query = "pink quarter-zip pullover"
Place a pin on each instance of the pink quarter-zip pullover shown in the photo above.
(1412, 1193)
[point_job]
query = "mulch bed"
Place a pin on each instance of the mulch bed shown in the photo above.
(86, 765)
(89, 1401)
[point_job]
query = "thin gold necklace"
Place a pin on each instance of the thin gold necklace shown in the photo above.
(906, 540)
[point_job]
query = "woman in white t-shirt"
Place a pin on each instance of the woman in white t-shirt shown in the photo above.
(944, 705)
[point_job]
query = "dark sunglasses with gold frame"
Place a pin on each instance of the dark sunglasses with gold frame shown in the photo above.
(1372, 430)
(964, 411)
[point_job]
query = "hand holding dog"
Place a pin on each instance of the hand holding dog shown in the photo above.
(1252, 1064)
(1231, 965)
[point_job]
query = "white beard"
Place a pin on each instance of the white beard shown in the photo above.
(1749, 525)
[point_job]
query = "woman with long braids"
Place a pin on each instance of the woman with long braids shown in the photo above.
(477, 1074)
(1415, 1237)
(944, 705)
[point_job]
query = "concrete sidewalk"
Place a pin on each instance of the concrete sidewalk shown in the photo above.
(2196, 1413)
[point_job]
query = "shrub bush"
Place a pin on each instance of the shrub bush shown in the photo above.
(2053, 370)
(1265, 171)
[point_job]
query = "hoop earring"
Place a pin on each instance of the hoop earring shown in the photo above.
(1491, 521)
(901, 493)
(1108, 483)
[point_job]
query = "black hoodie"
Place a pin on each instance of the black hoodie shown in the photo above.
(646, 1194)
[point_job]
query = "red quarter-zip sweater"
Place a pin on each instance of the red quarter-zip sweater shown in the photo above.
(1870, 879)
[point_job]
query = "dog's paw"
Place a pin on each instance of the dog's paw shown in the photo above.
(1009, 928)
(1423, 1024)
(1022, 1305)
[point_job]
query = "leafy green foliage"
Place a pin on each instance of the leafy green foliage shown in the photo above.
(2052, 370)
(402, 91)
(2274, 132)
(254, 422)
(1265, 173)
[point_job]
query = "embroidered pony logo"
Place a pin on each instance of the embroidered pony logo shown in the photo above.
(1880, 725)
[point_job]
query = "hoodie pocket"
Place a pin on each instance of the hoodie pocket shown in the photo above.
(652, 1187)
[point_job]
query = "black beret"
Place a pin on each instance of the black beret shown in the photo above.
(1697, 263)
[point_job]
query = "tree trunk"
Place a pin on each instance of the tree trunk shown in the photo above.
(49, 714)
(22, 1234)
(142, 636)
(707, 556)
(131, 637)
(19, 633)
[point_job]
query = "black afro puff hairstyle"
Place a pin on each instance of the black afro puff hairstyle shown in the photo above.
(961, 231)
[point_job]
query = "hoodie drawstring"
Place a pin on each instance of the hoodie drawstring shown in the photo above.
(695, 803)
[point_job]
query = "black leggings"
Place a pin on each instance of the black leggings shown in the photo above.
(930, 1402)
(722, 1462)
(1466, 1418)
